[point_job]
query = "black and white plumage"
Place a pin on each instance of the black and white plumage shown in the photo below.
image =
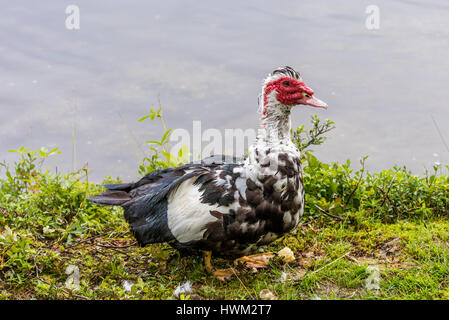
(226, 205)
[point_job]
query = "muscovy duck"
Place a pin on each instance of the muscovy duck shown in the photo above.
(220, 205)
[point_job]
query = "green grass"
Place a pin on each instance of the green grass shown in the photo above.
(331, 259)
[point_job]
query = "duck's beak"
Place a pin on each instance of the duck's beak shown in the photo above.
(314, 102)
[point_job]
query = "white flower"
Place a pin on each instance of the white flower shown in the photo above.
(73, 280)
(282, 279)
(48, 230)
(185, 289)
(127, 286)
(287, 255)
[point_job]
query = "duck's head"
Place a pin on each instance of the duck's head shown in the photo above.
(283, 89)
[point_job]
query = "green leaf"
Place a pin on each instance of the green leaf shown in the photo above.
(154, 142)
(183, 151)
(166, 135)
(167, 155)
(143, 118)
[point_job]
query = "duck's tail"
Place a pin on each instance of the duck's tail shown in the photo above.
(116, 195)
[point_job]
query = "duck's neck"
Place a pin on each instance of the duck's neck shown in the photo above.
(276, 125)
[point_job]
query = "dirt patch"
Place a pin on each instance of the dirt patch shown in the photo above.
(388, 255)
(306, 259)
(328, 289)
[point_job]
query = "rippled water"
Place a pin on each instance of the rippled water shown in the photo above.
(207, 63)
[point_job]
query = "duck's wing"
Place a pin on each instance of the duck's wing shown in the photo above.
(160, 181)
(181, 193)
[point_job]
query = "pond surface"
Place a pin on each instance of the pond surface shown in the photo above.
(84, 90)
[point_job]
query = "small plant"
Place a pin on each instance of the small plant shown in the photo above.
(26, 170)
(315, 136)
(159, 156)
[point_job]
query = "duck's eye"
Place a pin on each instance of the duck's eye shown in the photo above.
(307, 95)
(285, 83)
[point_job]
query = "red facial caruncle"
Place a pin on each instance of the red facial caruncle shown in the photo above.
(291, 92)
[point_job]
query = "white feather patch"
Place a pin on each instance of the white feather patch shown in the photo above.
(240, 184)
(187, 215)
(287, 217)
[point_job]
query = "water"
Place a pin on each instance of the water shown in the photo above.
(207, 62)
